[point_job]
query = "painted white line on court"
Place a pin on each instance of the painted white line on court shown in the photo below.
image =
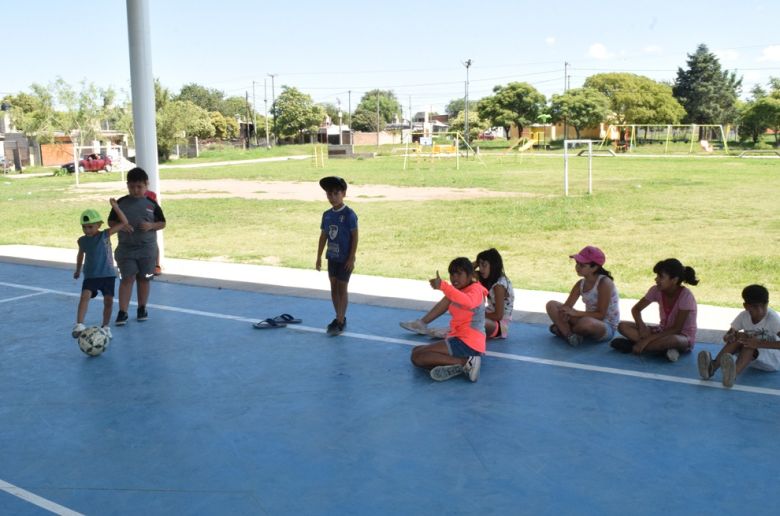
(507, 356)
(43, 503)
(21, 297)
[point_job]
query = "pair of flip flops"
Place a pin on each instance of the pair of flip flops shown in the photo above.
(280, 321)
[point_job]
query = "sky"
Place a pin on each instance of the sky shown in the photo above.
(336, 51)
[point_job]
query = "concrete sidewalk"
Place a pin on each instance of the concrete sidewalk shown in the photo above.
(713, 321)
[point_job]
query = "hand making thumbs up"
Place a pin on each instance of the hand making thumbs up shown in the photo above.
(435, 282)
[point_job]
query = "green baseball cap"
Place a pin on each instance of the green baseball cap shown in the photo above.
(90, 216)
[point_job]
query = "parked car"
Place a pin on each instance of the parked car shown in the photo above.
(487, 135)
(92, 163)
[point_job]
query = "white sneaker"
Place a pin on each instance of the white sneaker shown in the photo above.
(416, 326)
(445, 372)
(437, 333)
(77, 329)
(704, 363)
(472, 368)
(672, 355)
(574, 340)
(729, 369)
(107, 330)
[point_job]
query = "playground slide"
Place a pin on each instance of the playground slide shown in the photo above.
(527, 145)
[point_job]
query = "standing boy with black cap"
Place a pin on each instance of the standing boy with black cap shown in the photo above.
(339, 229)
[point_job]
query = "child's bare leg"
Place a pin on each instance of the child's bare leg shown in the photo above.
(342, 300)
(81, 312)
(746, 355)
(429, 356)
(490, 326)
(589, 327)
(730, 348)
(678, 342)
(629, 330)
(438, 310)
(557, 317)
(334, 294)
(108, 305)
(125, 292)
(142, 290)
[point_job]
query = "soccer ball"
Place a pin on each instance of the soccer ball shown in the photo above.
(93, 341)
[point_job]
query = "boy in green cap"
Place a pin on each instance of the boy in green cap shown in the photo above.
(98, 261)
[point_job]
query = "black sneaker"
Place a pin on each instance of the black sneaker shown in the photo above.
(121, 318)
(141, 314)
(622, 345)
(333, 328)
(342, 325)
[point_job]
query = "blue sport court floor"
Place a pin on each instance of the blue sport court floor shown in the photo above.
(196, 412)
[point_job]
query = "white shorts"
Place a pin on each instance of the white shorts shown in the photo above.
(767, 360)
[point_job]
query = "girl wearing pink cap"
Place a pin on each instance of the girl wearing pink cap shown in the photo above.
(601, 316)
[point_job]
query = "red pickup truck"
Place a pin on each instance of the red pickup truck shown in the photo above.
(92, 163)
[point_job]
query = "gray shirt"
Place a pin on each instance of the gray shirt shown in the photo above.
(138, 244)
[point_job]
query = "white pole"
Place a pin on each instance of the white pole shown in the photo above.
(566, 168)
(590, 167)
(75, 163)
(142, 87)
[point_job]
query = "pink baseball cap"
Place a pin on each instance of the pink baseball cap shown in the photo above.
(590, 254)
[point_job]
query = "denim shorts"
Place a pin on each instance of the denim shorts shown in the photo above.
(339, 271)
(460, 349)
(103, 285)
(609, 335)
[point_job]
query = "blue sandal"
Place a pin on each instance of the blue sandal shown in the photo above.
(286, 319)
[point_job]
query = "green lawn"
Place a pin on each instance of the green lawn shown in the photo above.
(721, 216)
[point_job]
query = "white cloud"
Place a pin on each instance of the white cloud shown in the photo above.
(770, 53)
(599, 51)
(550, 40)
(652, 49)
(727, 55)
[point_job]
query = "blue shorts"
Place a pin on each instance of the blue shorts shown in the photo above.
(460, 349)
(609, 335)
(339, 271)
(103, 285)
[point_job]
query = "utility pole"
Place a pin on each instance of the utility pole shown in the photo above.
(349, 114)
(248, 118)
(338, 101)
(467, 64)
(273, 101)
(254, 112)
(265, 99)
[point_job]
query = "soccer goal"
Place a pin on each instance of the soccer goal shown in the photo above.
(574, 145)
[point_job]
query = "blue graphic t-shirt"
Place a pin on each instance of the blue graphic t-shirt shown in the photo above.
(98, 259)
(338, 226)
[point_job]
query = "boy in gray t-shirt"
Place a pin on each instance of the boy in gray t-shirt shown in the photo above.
(136, 253)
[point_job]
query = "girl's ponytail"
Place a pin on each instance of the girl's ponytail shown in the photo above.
(689, 276)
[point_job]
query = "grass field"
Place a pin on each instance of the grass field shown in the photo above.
(720, 216)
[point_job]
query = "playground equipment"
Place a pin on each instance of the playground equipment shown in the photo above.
(444, 145)
(625, 136)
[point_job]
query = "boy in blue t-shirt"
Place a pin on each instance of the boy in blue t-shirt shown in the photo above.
(99, 270)
(339, 229)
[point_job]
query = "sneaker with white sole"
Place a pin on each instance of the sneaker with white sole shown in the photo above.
(672, 355)
(729, 369)
(472, 367)
(121, 318)
(107, 331)
(77, 329)
(445, 372)
(704, 363)
(416, 326)
(574, 340)
(437, 333)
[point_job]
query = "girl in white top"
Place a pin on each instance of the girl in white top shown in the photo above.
(601, 316)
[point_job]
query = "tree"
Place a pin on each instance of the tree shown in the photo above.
(365, 116)
(708, 94)
(208, 99)
(516, 103)
(84, 109)
(296, 113)
(580, 108)
(635, 99)
(34, 113)
(178, 120)
(476, 124)
(233, 106)
(455, 106)
(762, 112)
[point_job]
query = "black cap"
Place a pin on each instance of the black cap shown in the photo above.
(331, 183)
